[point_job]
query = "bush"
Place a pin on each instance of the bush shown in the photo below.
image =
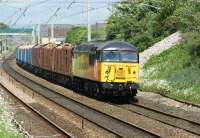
(76, 35)
(193, 44)
(79, 34)
(145, 22)
(3, 26)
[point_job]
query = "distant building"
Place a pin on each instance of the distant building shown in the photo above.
(100, 25)
(60, 32)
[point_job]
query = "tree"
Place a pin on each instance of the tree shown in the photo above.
(3, 26)
(78, 34)
(144, 22)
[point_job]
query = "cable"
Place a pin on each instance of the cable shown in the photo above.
(39, 3)
(58, 9)
(98, 2)
(54, 14)
(70, 5)
(11, 16)
(23, 14)
(81, 12)
(82, 2)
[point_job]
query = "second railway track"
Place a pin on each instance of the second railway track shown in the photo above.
(170, 119)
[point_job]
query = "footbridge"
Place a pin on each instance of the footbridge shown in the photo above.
(16, 32)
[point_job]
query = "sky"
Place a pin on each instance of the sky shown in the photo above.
(29, 12)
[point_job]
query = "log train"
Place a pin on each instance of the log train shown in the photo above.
(98, 69)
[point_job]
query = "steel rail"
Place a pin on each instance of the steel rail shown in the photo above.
(167, 118)
(38, 113)
(182, 101)
(7, 69)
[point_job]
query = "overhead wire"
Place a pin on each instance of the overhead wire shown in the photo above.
(9, 18)
(44, 1)
(84, 11)
(54, 14)
(24, 11)
(70, 5)
(59, 8)
(20, 16)
(81, 12)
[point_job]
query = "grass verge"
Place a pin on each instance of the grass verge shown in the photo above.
(174, 73)
(7, 128)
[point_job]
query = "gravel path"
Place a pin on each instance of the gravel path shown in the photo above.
(159, 47)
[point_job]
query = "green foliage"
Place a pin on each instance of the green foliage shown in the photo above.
(79, 34)
(3, 26)
(7, 130)
(193, 45)
(143, 23)
(98, 33)
(174, 72)
(76, 35)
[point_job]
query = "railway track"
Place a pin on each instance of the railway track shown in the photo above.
(181, 123)
(23, 113)
(63, 132)
(105, 121)
(165, 117)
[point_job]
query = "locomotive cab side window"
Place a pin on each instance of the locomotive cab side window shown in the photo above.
(98, 55)
(92, 56)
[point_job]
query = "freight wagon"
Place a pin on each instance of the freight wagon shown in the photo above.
(24, 56)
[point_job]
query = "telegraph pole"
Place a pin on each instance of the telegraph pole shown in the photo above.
(39, 34)
(88, 21)
(33, 35)
(52, 32)
(1, 46)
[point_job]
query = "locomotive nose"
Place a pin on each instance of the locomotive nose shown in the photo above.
(120, 73)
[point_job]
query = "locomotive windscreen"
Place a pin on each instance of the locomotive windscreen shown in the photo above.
(122, 56)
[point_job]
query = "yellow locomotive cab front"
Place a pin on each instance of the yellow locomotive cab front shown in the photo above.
(118, 72)
(118, 67)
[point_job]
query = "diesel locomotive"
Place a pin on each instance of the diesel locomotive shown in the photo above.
(99, 69)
